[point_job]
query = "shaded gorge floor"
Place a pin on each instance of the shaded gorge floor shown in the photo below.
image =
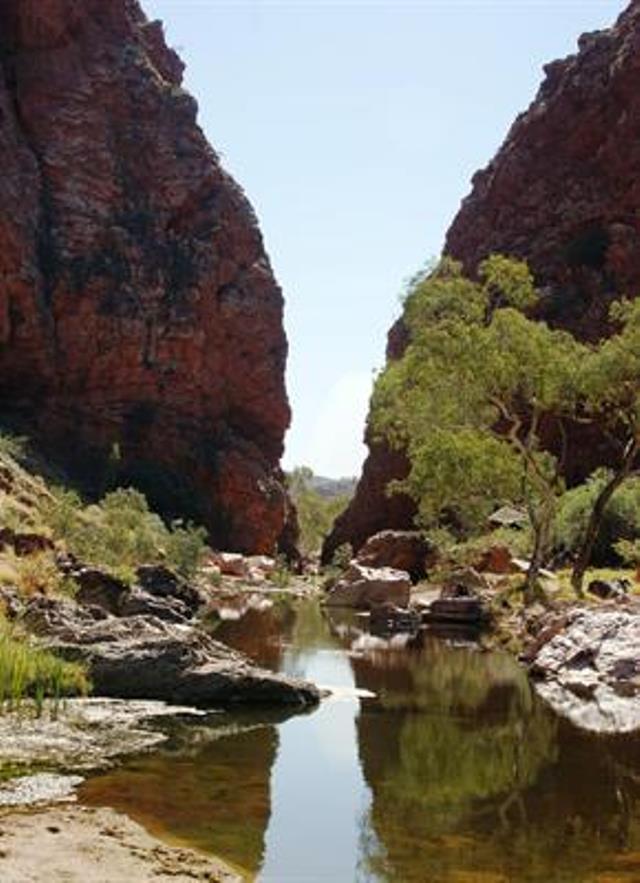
(433, 761)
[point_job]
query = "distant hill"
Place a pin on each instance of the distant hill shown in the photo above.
(333, 487)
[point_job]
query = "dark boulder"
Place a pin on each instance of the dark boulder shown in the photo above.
(401, 550)
(142, 657)
(607, 589)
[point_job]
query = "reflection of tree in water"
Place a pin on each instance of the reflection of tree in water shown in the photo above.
(309, 633)
(469, 774)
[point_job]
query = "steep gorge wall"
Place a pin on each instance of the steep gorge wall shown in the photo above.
(563, 192)
(139, 315)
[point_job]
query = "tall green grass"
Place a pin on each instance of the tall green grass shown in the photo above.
(31, 672)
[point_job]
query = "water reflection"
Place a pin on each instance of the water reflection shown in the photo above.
(453, 772)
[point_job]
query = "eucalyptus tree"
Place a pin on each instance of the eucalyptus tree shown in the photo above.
(610, 381)
(468, 398)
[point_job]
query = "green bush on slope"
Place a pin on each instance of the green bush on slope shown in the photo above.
(121, 532)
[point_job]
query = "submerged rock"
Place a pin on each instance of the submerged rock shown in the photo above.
(586, 663)
(84, 734)
(365, 587)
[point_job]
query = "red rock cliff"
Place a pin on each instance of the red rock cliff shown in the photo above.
(563, 192)
(138, 310)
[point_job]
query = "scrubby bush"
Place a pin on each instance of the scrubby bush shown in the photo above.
(342, 556)
(185, 547)
(121, 532)
(621, 520)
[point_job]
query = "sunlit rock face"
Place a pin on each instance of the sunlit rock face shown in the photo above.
(139, 315)
(563, 192)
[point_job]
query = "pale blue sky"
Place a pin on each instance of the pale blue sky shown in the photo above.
(354, 128)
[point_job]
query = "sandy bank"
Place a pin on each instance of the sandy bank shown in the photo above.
(74, 844)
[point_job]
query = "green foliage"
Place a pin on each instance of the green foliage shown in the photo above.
(316, 513)
(468, 472)
(468, 397)
(27, 670)
(629, 551)
(342, 556)
(121, 533)
(13, 445)
(456, 401)
(508, 282)
(620, 523)
(611, 374)
(185, 547)
(280, 576)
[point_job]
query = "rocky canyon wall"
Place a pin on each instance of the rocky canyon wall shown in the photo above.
(140, 321)
(563, 192)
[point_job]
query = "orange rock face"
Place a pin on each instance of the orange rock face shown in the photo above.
(563, 193)
(139, 315)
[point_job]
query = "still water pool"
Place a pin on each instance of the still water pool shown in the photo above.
(434, 761)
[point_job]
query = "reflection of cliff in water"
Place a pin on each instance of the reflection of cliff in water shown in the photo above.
(256, 626)
(470, 774)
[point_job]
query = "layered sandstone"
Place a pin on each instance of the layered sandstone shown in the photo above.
(140, 321)
(563, 192)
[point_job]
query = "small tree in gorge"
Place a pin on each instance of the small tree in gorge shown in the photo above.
(469, 395)
(610, 378)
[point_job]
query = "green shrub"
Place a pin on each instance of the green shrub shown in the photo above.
(280, 576)
(185, 547)
(621, 519)
(316, 512)
(342, 556)
(121, 532)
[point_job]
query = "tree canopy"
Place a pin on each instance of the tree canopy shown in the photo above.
(478, 381)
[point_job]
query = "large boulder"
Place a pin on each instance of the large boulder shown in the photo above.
(231, 564)
(162, 582)
(401, 550)
(365, 587)
(142, 657)
(586, 664)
